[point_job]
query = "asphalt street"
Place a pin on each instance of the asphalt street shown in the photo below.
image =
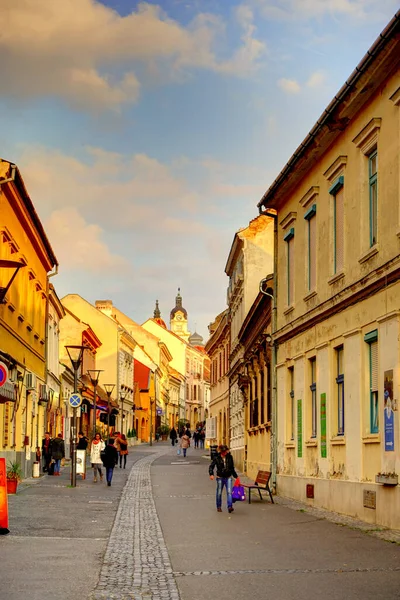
(156, 535)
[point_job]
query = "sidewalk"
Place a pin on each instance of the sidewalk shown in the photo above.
(58, 534)
(263, 550)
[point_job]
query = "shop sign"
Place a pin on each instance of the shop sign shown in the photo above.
(299, 429)
(323, 426)
(388, 411)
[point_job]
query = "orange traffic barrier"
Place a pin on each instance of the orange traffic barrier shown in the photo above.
(3, 498)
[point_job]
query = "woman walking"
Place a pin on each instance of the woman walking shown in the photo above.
(185, 443)
(173, 436)
(95, 457)
(123, 449)
(110, 459)
(225, 466)
(57, 453)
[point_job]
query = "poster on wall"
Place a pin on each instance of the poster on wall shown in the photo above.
(323, 426)
(299, 429)
(388, 412)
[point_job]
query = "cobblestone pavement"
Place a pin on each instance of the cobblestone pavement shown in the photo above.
(136, 564)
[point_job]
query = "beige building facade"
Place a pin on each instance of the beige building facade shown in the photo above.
(217, 348)
(338, 298)
(250, 260)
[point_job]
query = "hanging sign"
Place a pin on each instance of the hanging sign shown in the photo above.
(299, 429)
(3, 374)
(323, 426)
(388, 411)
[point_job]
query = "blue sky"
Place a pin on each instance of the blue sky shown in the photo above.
(146, 132)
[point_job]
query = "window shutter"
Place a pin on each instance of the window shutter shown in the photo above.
(374, 366)
(312, 279)
(290, 270)
(339, 231)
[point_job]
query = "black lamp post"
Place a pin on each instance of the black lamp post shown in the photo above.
(75, 354)
(94, 375)
(109, 387)
(14, 266)
(152, 402)
(122, 397)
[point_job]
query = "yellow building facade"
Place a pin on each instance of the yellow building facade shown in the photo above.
(217, 348)
(23, 318)
(338, 299)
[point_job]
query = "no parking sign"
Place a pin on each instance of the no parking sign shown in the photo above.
(3, 374)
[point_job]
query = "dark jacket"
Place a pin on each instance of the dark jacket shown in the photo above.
(49, 447)
(225, 468)
(172, 434)
(110, 456)
(58, 449)
(82, 444)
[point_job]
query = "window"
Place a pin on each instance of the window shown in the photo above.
(340, 389)
(253, 403)
(262, 394)
(337, 191)
(372, 341)
(313, 389)
(373, 197)
(312, 246)
(291, 402)
(289, 239)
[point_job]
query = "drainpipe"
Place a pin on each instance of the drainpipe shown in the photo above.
(274, 322)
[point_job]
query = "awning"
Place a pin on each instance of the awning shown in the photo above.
(8, 392)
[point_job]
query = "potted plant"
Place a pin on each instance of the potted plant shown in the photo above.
(387, 478)
(163, 430)
(14, 476)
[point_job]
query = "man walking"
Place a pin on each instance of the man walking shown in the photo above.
(58, 453)
(173, 436)
(225, 466)
(110, 459)
(46, 451)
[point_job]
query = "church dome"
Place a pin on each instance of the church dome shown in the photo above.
(157, 316)
(178, 306)
(196, 339)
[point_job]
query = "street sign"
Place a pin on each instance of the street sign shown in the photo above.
(3, 374)
(159, 412)
(75, 400)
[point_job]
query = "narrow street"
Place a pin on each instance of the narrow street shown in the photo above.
(156, 534)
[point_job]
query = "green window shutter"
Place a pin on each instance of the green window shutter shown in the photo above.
(374, 366)
(339, 230)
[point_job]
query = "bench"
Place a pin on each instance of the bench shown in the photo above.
(261, 484)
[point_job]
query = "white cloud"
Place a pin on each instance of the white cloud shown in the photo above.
(290, 86)
(72, 49)
(79, 245)
(316, 79)
(310, 9)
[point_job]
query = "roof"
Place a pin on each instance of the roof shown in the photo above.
(178, 305)
(382, 58)
(255, 226)
(141, 375)
(15, 177)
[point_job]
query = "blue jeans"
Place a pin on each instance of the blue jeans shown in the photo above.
(221, 483)
(57, 465)
(109, 474)
(184, 452)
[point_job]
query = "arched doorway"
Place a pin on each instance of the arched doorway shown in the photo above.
(143, 433)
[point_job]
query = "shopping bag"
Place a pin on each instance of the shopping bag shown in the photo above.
(178, 452)
(238, 493)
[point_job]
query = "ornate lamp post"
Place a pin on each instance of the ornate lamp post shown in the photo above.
(94, 375)
(14, 266)
(75, 354)
(109, 387)
(122, 397)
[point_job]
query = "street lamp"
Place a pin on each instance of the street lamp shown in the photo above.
(122, 397)
(12, 265)
(75, 354)
(152, 401)
(109, 387)
(94, 375)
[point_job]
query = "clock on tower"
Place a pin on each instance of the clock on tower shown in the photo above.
(178, 318)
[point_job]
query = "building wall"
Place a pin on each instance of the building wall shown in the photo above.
(343, 463)
(176, 346)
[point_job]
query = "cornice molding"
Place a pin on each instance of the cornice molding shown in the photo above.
(367, 139)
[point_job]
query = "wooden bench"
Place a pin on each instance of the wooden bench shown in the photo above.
(261, 484)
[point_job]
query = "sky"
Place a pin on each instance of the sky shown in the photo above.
(146, 132)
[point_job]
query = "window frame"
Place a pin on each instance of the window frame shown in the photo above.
(292, 404)
(340, 391)
(372, 338)
(373, 210)
(313, 389)
(336, 187)
(289, 239)
(309, 216)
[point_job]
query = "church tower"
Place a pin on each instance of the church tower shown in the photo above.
(178, 319)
